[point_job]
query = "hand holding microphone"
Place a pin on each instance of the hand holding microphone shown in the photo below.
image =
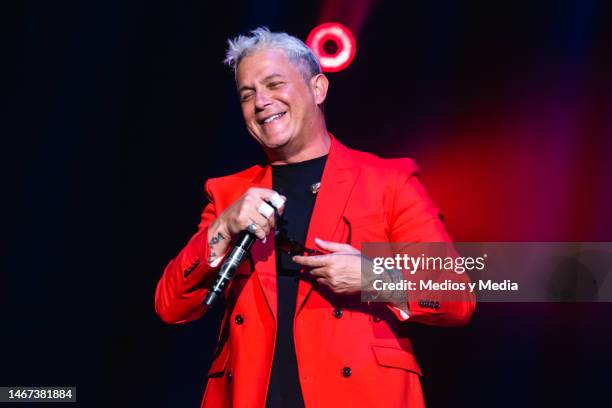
(256, 206)
(250, 217)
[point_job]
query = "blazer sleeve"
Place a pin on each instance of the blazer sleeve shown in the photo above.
(180, 293)
(414, 218)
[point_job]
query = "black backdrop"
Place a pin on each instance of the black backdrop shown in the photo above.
(116, 112)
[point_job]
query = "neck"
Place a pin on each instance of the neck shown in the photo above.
(316, 145)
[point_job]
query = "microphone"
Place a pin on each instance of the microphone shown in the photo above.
(239, 252)
(229, 266)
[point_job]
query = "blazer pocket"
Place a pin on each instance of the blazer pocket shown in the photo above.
(365, 220)
(396, 358)
(367, 228)
(219, 363)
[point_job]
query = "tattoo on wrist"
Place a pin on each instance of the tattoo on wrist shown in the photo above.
(211, 246)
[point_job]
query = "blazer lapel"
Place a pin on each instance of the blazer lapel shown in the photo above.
(337, 182)
(263, 254)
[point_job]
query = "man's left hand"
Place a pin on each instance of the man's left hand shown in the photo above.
(339, 269)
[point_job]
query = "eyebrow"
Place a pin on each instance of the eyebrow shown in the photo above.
(266, 79)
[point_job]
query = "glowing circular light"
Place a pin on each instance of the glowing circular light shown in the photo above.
(341, 37)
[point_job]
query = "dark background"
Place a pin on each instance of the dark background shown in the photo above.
(116, 112)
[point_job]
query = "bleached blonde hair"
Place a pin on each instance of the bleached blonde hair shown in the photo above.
(260, 38)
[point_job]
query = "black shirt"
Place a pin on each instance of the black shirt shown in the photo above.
(293, 181)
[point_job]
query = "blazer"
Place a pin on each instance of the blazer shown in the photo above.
(349, 353)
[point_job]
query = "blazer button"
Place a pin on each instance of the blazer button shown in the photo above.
(229, 377)
(346, 372)
(337, 313)
(238, 319)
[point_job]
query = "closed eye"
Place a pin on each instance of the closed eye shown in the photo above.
(275, 84)
(246, 96)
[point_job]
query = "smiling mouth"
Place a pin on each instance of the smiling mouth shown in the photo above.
(273, 118)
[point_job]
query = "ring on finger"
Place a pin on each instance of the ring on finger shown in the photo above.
(265, 209)
(276, 200)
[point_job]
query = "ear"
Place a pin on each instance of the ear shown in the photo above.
(319, 84)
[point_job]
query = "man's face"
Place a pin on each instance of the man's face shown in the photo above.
(278, 106)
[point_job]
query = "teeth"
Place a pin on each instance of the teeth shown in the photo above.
(273, 117)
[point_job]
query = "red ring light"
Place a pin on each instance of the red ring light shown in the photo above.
(345, 43)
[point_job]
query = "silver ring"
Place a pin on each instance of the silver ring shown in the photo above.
(276, 200)
(252, 228)
(265, 209)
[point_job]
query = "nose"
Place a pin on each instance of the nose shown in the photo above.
(262, 99)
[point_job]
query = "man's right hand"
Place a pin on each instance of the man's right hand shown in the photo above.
(238, 216)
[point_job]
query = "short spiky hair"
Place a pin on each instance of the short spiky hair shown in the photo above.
(261, 38)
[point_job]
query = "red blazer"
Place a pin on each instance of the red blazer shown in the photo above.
(349, 353)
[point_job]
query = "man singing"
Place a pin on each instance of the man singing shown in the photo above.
(295, 331)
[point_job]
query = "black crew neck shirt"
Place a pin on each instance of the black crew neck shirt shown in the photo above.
(293, 181)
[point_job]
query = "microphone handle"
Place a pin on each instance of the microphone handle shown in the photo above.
(229, 266)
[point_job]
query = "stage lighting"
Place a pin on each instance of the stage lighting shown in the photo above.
(333, 44)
